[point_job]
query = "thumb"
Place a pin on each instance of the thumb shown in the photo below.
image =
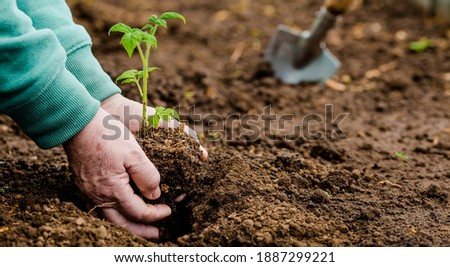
(144, 174)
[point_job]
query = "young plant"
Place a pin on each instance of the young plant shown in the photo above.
(421, 45)
(162, 113)
(143, 41)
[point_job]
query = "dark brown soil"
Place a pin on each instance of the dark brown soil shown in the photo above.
(177, 157)
(268, 191)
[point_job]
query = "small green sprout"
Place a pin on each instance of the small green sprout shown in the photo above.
(144, 41)
(421, 45)
(162, 113)
(401, 156)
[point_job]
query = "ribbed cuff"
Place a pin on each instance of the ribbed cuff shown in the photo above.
(85, 67)
(60, 110)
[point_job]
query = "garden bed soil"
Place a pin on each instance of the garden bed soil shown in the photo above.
(257, 188)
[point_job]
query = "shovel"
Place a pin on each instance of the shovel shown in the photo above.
(302, 56)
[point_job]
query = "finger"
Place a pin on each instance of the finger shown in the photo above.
(133, 207)
(204, 155)
(144, 174)
(142, 230)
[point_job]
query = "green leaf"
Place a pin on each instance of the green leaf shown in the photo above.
(153, 31)
(120, 27)
(153, 19)
(176, 115)
(130, 80)
(129, 74)
(166, 113)
(152, 69)
(148, 26)
(421, 45)
(129, 42)
(140, 74)
(159, 110)
(162, 22)
(138, 34)
(144, 37)
(149, 39)
(172, 15)
(173, 113)
(166, 117)
(154, 120)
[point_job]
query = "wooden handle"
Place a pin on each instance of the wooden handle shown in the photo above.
(338, 7)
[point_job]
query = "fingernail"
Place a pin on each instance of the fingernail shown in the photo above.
(156, 194)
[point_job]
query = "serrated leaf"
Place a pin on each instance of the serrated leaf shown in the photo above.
(168, 111)
(154, 120)
(129, 80)
(144, 37)
(140, 74)
(148, 26)
(153, 19)
(129, 42)
(159, 110)
(120, 27)
(174, 114)
(162, 22)
(149, 39)
(152, 69)
(129, 74)
(172, 15)
(166, 117)
(138, 34)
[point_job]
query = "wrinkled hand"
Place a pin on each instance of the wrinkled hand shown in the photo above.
(117, 104)
(103, 169)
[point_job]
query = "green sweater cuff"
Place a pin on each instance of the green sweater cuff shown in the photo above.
(56, 16)
(85, 67)
(58, 112)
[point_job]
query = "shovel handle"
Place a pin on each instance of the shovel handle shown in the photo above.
(338, 7)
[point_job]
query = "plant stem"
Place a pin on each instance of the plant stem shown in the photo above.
(144, 60)
(146, 75)
(139, 88)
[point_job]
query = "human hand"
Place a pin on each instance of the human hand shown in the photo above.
(103, 169)
(116, 104)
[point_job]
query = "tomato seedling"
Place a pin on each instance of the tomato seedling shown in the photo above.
(143, 41)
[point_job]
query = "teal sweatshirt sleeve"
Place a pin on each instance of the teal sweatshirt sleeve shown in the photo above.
(56, 16)
(36, 89)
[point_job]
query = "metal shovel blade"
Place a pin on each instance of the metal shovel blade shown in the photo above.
(281, 52)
